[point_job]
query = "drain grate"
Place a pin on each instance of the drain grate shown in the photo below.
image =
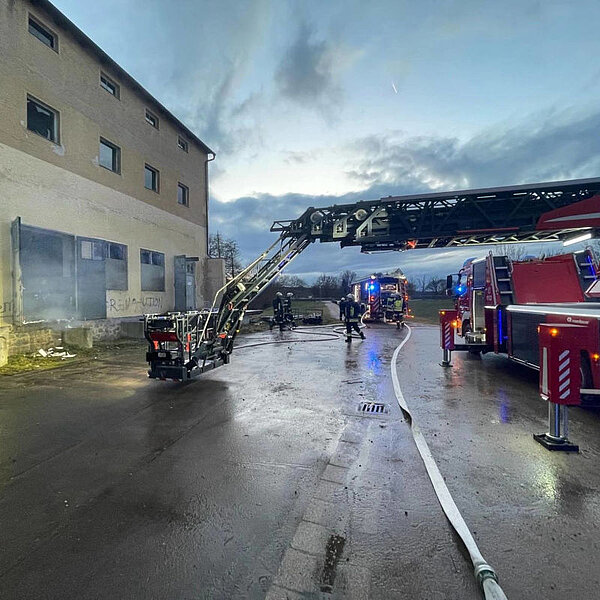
(373, 408)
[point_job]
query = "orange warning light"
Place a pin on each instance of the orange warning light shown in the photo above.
(442, 312)
(554, 332)
(454, 323)
(596, 356)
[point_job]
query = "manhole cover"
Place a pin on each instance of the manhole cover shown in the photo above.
(373, 408)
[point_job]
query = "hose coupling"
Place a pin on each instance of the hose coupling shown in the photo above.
(483, 571)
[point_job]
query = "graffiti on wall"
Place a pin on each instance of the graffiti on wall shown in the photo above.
(140, 305)
(6, 309)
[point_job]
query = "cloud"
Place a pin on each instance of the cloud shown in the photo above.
(309, 72)
(550, 146)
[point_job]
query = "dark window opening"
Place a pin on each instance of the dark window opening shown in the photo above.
(153, 271)
(42, 119)
(110, 156)
(150, 178)
(183, 194)
(41, 33)
(109, 85)
(182, 144)
(151, 119)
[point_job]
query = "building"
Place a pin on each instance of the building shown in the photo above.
(103, 192)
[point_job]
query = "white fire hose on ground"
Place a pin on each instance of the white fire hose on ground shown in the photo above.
(485, 575)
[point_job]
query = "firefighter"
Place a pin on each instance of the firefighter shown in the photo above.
(399, 310)
(353, 312)
(342, 305)
(287, 306)
(278, 309)
(388, 309)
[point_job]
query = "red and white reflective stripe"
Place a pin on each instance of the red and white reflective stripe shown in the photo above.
(564, 372)
(447, 335)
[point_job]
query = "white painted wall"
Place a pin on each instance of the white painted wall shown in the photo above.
(47, 196)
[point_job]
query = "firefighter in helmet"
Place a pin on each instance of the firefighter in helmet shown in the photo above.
(399, 310)
(288, 315)
(342, 305)
(278, 309)
(353, 312)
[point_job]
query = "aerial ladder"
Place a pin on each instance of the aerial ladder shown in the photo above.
(183, 345)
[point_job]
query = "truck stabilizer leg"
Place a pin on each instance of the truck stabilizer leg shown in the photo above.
(558, 425)
(446, 358)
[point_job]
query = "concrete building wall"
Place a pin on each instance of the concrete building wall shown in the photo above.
(68, 80)
(52, 198)
(60, 185)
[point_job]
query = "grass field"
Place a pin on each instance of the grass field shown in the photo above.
(426, 311)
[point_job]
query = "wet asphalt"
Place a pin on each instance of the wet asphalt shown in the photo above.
(263, 480)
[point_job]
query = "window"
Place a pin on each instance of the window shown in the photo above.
(43, 34)
(42, 119)
(182, 144)
(93, 250)
(151, 119)
(110, 156)
(183, 194)
(153, 271)
(151, 178)
(116, 266)
(109, 85)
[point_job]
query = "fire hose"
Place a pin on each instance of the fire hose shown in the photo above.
(484, 573)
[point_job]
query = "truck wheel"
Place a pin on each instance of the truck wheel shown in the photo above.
(475, 352)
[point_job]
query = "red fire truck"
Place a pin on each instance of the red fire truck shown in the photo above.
(375, 291)
(500, 305)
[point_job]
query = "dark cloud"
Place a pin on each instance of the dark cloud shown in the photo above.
(556, 145)
(308, 72)
(548, 147)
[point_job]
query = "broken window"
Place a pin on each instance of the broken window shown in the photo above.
(42, 119)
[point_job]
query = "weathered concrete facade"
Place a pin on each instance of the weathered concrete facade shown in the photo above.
(58, 188)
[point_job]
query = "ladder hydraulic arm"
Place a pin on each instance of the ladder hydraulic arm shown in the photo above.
(185, 344)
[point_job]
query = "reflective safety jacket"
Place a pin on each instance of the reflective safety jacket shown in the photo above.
(398, 305)
(353, 312)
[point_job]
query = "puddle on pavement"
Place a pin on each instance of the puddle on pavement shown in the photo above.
(333, 552)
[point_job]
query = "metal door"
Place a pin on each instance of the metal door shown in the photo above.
(185, 282)
(190, 283)
(47, 273)
(91, 278)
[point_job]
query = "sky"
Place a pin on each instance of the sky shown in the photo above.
(313, 103)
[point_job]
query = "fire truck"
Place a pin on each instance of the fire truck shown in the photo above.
(375, 291)
(500, 305)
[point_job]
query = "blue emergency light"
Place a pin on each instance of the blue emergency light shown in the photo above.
(461, 289)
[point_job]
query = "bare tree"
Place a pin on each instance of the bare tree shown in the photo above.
(288, 281)
(346, 278)
(327, 285)
(226, 248)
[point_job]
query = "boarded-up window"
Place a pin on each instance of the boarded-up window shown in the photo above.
(116, 267)
(153, 271)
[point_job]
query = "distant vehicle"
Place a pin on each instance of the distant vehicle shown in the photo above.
(374, 292)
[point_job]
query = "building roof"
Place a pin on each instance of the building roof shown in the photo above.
(61, 20)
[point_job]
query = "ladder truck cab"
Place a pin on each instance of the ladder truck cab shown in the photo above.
(377, 293)
(499, 305)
